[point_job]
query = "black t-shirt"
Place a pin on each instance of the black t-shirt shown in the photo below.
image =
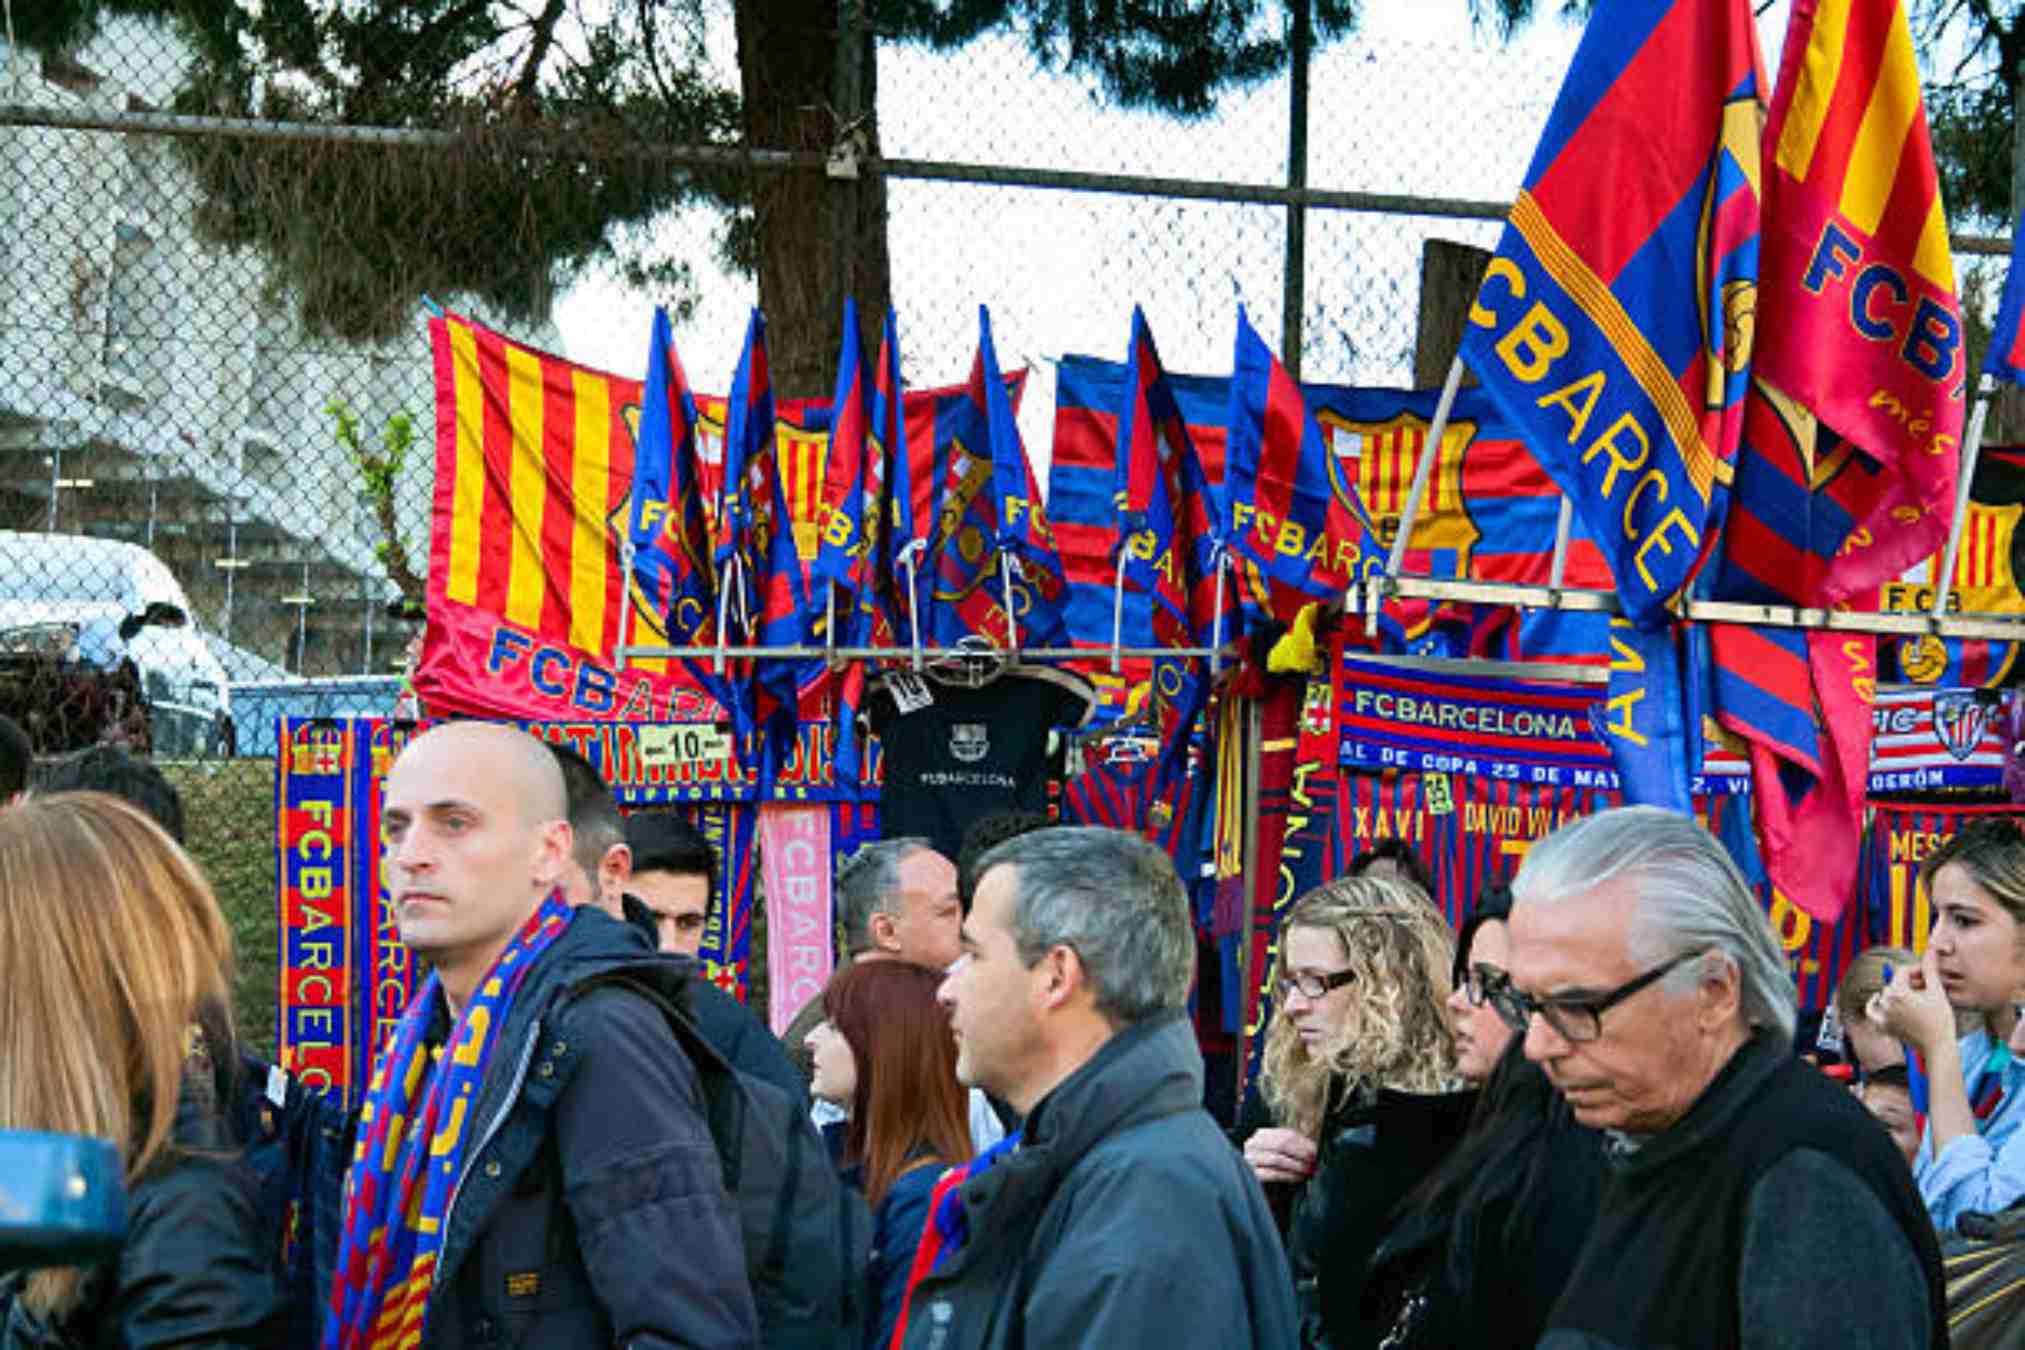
(954, 753)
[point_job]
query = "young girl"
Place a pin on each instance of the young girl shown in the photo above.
(885, 1055)
(1973, 1155)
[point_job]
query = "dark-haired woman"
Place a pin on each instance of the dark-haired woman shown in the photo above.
(1478, 1253)
(884, 1053)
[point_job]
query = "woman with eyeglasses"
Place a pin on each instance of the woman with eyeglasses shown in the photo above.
(1477, 1254)
(1360, 1076)
(1973, 1155)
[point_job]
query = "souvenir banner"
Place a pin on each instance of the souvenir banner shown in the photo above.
(795, 855)
(731, 829)
(316, 1034)
(388, 974)
(1987, 568)
(1529, 732)
(655, 764)
(1900, 841)
(1267, 889)
(1817, 953)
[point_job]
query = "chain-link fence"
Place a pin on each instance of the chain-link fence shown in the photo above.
(218, 239)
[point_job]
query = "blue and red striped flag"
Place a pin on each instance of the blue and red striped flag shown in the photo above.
(742, 539)
(1310, 539)
(2005, 357)
(1643, 192)
(991, 529)
(853, 512)
(673, 571)
(1848, 468)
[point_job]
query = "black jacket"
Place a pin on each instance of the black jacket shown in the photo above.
(1123, 1219)
(591, 1210)
(195, 1270)
(730, 1027)
(1774, 1213)
(1374, 1149)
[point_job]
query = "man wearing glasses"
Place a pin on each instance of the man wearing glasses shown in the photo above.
(1749, 1201)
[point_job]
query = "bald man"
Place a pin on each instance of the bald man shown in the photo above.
(569, 1192)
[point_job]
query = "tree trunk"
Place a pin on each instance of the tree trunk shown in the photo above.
(810, 251)
(1449, 275)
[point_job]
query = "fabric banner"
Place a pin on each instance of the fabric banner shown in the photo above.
(1263, 882)
(316, 1035)
(1901, 839)
(796, 861)
(1537, 733)
(388, 972)
(731, 829)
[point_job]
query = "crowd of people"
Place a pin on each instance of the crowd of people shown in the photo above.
(1580, 1121)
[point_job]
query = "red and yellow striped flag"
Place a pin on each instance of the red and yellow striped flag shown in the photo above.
(1857, 317)
(534, 465)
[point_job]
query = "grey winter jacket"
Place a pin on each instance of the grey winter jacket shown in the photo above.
(1123, 1219)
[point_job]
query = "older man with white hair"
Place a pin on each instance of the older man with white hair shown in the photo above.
(1750, 1201)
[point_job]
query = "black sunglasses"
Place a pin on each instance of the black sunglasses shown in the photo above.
(1315, 986)
(1574, 1019)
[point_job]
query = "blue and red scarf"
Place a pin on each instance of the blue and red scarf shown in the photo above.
(413, 1134)
(948, 1226)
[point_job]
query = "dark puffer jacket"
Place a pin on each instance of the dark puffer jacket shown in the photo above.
(195, 1271)
(592, 1209)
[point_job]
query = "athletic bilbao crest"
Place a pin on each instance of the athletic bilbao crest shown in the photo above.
(1959, 722)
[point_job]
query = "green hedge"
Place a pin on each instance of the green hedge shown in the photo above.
(228, 809)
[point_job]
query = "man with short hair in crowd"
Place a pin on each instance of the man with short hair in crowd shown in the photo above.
(534, 1166)
(674, 873)
(1749, 1199)
(110, 769)
(1120, 1216)
(605, 874)
(896, 901)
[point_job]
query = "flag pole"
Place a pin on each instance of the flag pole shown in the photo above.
(1012, 622)
(1118, 607)
(626, 552)
(1972, 448)
(1562, 529)
(1216, 616)
(1422, 471)
(907, 560)
(830, 624)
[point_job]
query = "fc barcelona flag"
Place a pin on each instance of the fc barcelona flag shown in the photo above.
(742, 534)
(1643, 192)
(1309, 541)
(1859, 281)
(2005, 359)
(670, 526)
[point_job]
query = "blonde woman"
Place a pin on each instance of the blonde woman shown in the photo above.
(1360, 1075)
(114, 966)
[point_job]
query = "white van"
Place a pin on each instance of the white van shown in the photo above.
(107, 599)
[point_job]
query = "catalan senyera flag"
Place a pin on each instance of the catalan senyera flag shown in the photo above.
(1308, 541)
(1859, 280)
(1614, 323)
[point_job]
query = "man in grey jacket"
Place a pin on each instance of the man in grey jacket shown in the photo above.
(1120, 1216)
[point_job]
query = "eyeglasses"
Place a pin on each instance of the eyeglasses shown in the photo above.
(1314, 986)
(1481, 982)
(1574, 1019)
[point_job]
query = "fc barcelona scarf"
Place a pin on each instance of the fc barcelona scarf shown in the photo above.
(948, 1227)
(413, 1134)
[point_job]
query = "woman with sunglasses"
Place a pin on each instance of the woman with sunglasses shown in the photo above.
(1479, 1251)
(1359, 1074)
(1973, 1155)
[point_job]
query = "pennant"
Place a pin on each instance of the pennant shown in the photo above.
(1629, 395)
(1307, 536)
